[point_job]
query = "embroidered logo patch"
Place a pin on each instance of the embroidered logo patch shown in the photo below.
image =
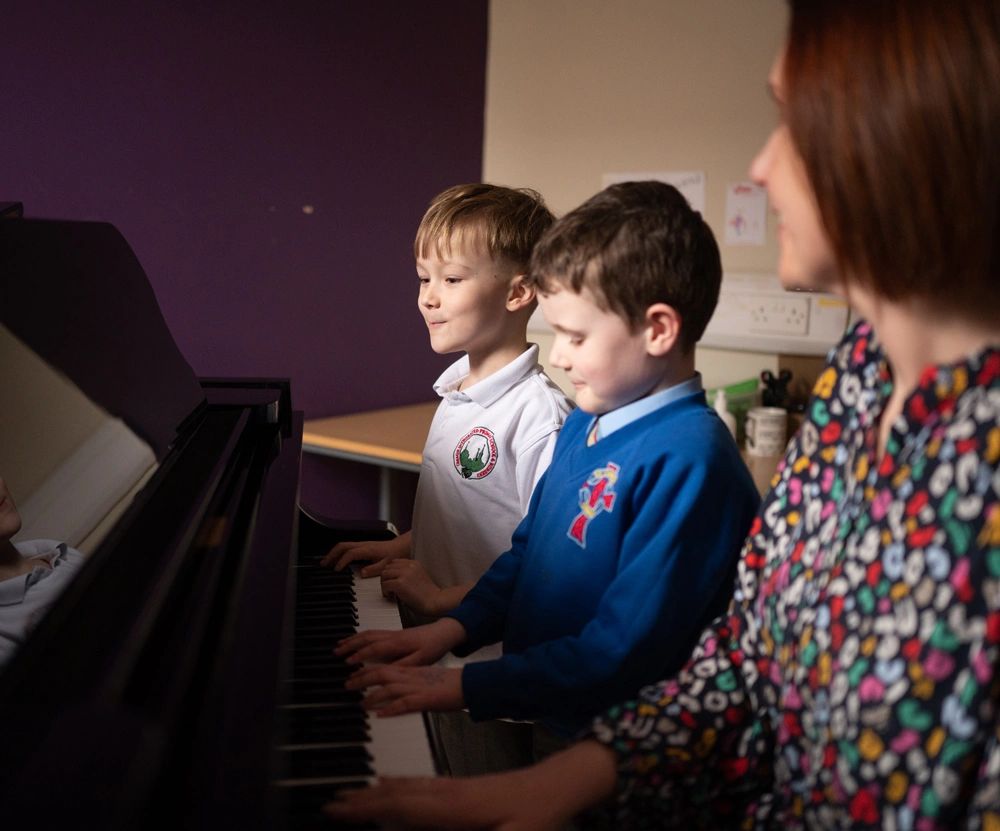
(476, 454)
(596, 495)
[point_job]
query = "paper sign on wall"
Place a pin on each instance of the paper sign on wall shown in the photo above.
(746, 214)
(689, 182)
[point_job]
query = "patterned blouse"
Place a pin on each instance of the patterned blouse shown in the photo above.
(855, 680)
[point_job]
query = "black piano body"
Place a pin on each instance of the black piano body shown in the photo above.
(150, 694)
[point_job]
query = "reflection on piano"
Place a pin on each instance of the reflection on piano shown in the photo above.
(185, 679)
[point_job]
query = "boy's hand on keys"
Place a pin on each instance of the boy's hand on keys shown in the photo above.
(406, 689)
(409, 647)
(409, 582)
(376, 552)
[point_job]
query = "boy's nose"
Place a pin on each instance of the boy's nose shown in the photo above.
(556, 357)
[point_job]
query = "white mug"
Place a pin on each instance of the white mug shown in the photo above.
(765, 429)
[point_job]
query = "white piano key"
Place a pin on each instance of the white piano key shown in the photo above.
(399, 745)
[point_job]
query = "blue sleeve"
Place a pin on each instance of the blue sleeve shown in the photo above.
(675, 572)
(484, 610)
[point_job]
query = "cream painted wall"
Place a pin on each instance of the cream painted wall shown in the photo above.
(578, 88)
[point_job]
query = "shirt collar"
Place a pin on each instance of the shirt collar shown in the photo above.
(623, 416)
(13, 589)
(489, 389)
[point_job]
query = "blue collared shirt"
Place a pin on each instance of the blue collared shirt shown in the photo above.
(616, 419)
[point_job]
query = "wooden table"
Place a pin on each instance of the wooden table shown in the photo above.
(393, 439)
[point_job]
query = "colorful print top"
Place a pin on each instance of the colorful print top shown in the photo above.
(854, 680)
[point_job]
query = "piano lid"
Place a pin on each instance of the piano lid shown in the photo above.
(76, 295)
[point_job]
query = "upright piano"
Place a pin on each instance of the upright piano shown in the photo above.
(185, 678)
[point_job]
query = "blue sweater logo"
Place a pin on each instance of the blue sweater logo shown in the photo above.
(596, 495)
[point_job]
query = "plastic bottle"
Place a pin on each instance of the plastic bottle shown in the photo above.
(722, 408)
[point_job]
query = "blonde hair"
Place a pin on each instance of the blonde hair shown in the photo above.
(505, 222)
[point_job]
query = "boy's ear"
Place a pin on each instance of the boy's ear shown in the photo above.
(520, 294)
(663, 329)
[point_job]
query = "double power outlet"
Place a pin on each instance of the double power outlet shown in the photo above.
(755, 313)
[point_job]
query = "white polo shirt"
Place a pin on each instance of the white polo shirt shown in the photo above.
(487, 447)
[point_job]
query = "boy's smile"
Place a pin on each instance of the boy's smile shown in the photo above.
(608, 364)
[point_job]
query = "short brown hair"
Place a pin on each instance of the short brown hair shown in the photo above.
(894, 107)
(507, 222)
(632, 245)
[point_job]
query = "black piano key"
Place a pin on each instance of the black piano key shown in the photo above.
(324, 613)
(332, 695)
(310, 643)
(310, 649)
(326, 762)
(307, 575)
(321, 734)
(307, 609)
(319, 667)
(319, 659)
(333, 724)
(319, 671)
(320, 614)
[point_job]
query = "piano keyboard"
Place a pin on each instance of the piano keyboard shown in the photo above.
(330, 742)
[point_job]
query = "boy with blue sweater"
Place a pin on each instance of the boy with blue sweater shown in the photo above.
(631, 538)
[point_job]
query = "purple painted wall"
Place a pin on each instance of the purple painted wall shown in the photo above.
(268, 163)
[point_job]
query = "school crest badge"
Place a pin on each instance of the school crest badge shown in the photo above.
(596, 496)
(476, 454)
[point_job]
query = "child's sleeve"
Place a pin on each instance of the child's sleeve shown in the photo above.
(674, 571)
(532, 462)
(483, 612)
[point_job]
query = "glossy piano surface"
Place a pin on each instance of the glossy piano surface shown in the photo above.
(159, 690)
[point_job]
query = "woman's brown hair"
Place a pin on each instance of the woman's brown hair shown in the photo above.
(894, 106)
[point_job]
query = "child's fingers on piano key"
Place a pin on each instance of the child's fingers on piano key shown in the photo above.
(398, 700)
(374, 569)
(379, 675)
(381, 697)
(355, 646)
(345, 646)
(415, 659)
(381, 651)
(339, 550)
(365, 677)
(395, 690)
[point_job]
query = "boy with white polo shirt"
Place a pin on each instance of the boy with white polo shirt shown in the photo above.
(494, 430)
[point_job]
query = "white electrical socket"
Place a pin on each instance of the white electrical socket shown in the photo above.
(776, 315)
(756, 314)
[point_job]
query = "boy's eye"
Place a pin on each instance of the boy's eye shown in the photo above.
(453, 280)
(423, 280)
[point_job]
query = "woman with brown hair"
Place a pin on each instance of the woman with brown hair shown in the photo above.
(855, 679)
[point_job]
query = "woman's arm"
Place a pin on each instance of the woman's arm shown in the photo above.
(545, 796)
